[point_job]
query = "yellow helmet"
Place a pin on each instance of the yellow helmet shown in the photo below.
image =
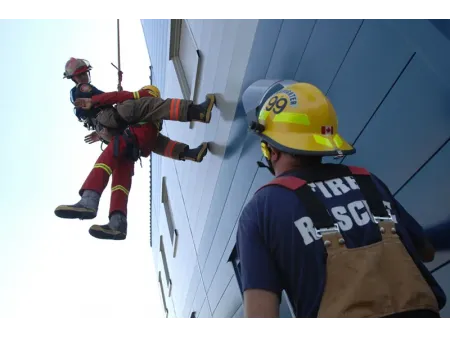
(153, 90)
(299, 119)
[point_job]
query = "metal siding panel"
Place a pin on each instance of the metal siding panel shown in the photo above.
(366, 76)
(240, 312)
(225, 172)
(409, 127)
(156, 33)
(230, 302)
(188, 55)
(155, 248)
(227, 104)
(327, 47)
(291, 43)
(205, 312)
(196, 26)
(224, 269)
(178, 172)
(426, 195)
(215, 291)
(425, 38)
(194, 284)
(237, 193)
(442, 276)
(184, 263)
(171, 308)
(200, 298)
(227, 47)
(207, 69)
(263, 45)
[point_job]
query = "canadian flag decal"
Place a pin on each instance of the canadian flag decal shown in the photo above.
(327, 130)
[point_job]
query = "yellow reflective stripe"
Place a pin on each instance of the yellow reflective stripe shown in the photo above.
(338, 140)
(120, 187)
(136, 95)
(104, 167)
(263, 115)
(295, 118)
(142, 123)
(323, 141)
(265, 150)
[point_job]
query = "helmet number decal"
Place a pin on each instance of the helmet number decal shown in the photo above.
(276, 104)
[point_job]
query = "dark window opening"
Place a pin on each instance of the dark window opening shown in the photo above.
(165, 266)
(165, 201)
(162, 294)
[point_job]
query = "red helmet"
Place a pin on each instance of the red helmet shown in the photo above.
(76, 67)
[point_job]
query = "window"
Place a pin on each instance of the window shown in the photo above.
(165, 266)
(162, 294)
(185, 57)
(170, 223)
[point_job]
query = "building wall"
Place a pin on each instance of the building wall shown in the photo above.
(387, 81)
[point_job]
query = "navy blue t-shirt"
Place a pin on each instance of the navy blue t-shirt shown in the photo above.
(76, 93)
(278, 248)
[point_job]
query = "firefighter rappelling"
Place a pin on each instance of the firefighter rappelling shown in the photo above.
(130, 123)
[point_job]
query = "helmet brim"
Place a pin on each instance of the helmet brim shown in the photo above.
(308, 144)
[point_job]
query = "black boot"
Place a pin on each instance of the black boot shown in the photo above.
(196, 154)
(116, 229)
(86, 208)
(202, 112)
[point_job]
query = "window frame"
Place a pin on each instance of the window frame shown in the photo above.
(173, 231)
(189, 90)
(166, 310)
(165, 265)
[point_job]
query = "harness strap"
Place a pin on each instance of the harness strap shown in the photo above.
(132, 150)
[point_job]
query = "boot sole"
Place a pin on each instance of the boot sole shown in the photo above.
(101, 233)
(212, 101)
(74, 213)
(202, 153)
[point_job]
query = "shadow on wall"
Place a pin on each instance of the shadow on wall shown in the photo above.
(442, 26)
(241, 124)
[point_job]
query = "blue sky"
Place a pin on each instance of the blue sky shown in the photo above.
(49, 266)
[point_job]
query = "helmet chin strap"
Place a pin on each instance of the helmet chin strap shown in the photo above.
(268, 167)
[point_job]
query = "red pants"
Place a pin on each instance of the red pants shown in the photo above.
(121, 168)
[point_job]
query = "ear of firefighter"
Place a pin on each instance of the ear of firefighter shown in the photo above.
(301, 120)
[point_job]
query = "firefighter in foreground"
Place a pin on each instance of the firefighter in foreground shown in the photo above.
(332, 236)
(126, 146)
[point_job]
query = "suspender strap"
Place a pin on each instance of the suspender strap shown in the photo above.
(369, 191)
